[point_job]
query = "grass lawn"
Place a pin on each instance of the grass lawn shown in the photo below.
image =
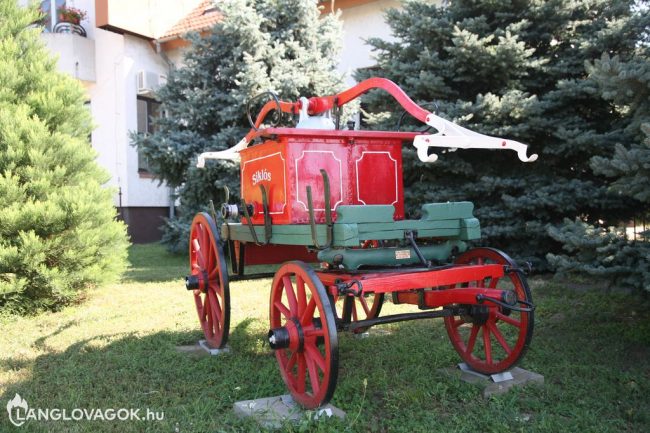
(117, 350)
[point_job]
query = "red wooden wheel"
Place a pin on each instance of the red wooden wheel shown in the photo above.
(209, 279)
(491, 339)
(303, 334)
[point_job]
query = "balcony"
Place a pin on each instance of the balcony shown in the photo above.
(75, 51)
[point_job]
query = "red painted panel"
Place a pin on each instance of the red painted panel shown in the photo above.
(363, 169)
(378, 174)
(275, 254)
(266, 165)
(309, 159)
(381, 187)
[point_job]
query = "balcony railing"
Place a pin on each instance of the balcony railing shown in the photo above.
(64, 27)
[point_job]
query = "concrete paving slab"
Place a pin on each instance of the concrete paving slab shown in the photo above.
(202, 349)
(520, 377)
(273, 412)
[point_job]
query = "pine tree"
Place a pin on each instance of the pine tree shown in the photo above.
(58, 231)
(609, 253)
(283, 46)
(514, 69)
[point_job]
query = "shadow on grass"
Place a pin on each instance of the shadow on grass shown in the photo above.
(196, 393)
(592, 350)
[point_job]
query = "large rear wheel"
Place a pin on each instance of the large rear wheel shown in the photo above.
(209, 280)
(491, 338)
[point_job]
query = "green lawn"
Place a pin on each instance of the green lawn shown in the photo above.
(117, 350)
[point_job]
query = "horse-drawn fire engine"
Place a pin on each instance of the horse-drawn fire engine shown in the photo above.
(316, 193)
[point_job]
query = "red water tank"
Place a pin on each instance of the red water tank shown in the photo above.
(364, 167)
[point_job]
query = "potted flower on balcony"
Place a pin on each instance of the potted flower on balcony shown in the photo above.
(70, 15)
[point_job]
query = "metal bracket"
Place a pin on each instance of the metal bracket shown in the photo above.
(523, 269)
(501, 377)
(455, 137)
(529, 307)
(328, 215)
(231, 154)
(346, 288)
(410, 235)
(211, 351)
(496, 378)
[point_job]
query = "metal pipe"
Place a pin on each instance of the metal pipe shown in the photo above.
(402, 318)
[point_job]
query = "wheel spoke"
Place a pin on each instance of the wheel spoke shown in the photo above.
(291, 295)
(472, 340)
(292, 361)
(457, 323)
(313, 332)
(283, 309)
(499, 337)
(315, 355)
(205, 311)
(209, 315)
(509, 320)
(355, 316)
(313, 375)
(302, 367)
(200, 260)
(204, 236)
(302, 296)
(214, 305)
(364, 305)
(308, 315)
(487, 345)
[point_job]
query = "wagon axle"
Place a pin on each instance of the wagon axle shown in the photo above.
(292, 336)
(197, 281)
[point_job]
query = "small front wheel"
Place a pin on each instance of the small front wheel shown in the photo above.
(491, 338)
(303, 334)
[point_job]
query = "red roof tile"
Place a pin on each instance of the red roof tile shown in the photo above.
(203, 17)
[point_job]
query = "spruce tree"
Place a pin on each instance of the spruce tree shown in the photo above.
(282, 46)
(608, 252)
(58, 228)
(514, 69)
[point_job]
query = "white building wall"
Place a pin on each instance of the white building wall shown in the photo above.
(359, 24)
(108, 105)
(112, 93)
(139, 55)
(113, 101)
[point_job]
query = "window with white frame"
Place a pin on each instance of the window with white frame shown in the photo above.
(49, 9)
(147, 109)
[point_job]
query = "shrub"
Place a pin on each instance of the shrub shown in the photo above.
(58, 227)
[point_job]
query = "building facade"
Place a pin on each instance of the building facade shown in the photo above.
(122, 50)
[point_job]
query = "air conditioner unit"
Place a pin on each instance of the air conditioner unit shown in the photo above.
(148, 82)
